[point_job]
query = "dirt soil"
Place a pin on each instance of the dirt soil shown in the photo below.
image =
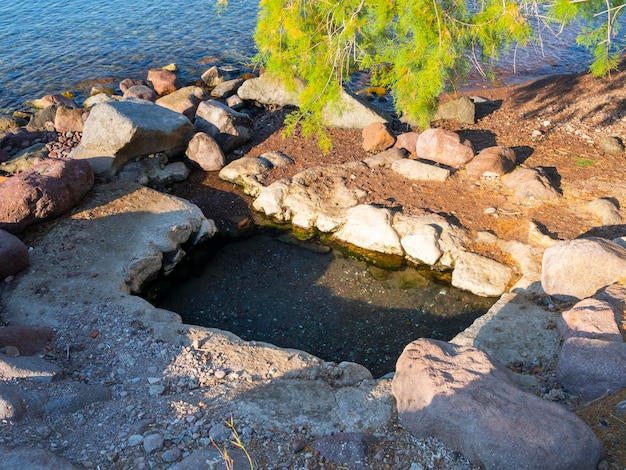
(555, 123)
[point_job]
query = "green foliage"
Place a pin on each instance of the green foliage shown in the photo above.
(600, 34)
(414, 48)
(583, 162)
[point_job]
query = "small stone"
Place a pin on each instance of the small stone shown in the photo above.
(219, 432)
(135, 440)
(219, 374)
(171, 455)
(490, 210)
(156, 390)
(153, 442)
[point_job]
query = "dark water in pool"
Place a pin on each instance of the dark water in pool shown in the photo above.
(339, 309)
(52, 46)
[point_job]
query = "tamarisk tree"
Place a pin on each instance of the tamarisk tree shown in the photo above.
(411, 47)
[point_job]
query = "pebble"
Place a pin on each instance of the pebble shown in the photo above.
(153, 442)
(219, 432)
(220, 374)
(490, 210)
(171, 455)
(135, 440)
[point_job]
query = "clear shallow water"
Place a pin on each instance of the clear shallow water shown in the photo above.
(52, 46)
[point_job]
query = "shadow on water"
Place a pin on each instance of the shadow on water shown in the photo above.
(298, 296)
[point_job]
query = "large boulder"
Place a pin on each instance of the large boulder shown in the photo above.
(458, 395)
(370, 228)
(229, 128)
(117, 132)
(461, 110)
(350, 112)
(46, 190)
(443, 146)
(576, 269)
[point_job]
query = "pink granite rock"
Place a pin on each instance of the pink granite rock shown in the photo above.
(46, 190)
(492, 161)
(458, 395)
(443, 146)
(590, 318)
(13, 254)
(68, 119)
(163, 81)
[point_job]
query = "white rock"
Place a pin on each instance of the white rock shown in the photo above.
(422, 246)
(414, 170)
(481, 276)
(369, 227)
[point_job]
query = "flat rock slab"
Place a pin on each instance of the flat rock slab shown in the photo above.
(458, 395)
(314, 404)
(31, 458)
(514, 330)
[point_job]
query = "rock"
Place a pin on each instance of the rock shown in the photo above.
(171, 173)
(611, 145)
(376, 137)
(385, 159)
(245, 172)
(140, 92)
(54, 100)
(184, 101)
(100, 98)
(171, 455)
(293, 403)
(351, 374)
(12, 406)
(592, 367)
(27, 367)
(204, 151)
(590, 318)
(32, 458)
(212, 459)
(606, 210)
(443, 146)
(153, 443)
(234, 102)
(128, 83)
(220, 433)
(530, 183)
(135, 440)
(351, 112)
(576, 269)
(229, 128)
(370, 228)
(9, 122)
(163, 81)
(228, 88)
(346, 449)
(492, 161)
(270, 91)
(514, 330)
(277, 159)
(481, 276)
(407, 141)
(422, 245)
(75, 397)
(29, 340)
(459, 396)
(25, 159)
(68, 120)
(117, 132)
(14, 256)
(419, 171)
(615, 295)
(461, 110)
(42, 118)
(450, 240)
(46, 190)
(216, 75)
